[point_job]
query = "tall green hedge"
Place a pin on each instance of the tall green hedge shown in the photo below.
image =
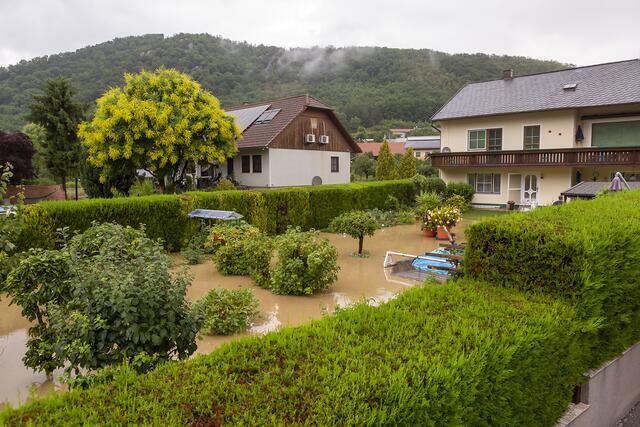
(587, 252)
(165, 216)
(463, 354)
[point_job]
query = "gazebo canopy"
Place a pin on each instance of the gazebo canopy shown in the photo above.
(214, 214)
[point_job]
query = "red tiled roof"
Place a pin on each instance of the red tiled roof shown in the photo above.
(261, 135)
(374, 147)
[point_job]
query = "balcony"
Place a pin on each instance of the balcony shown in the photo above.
(587, 156)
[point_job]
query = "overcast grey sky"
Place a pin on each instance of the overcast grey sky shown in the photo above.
(580, 32)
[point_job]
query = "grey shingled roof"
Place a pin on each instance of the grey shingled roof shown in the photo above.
(597, 85)
(423, 143)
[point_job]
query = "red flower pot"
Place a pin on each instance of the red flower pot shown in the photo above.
(428, 232)
(442, 233)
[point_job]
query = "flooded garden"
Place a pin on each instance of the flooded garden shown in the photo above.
(359, 279)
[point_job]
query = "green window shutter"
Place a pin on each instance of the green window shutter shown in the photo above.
(616, 134)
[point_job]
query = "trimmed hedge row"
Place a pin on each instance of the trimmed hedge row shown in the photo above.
(467, 354)
(586, 251)
(165, 216)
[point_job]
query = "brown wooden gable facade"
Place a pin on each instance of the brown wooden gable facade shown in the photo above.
(318, 122)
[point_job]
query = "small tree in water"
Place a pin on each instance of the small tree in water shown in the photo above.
(356, 224)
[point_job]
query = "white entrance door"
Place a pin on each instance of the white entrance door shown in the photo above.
(515, 187)
(530, 189)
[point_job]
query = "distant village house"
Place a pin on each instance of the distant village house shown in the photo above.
(292, 141)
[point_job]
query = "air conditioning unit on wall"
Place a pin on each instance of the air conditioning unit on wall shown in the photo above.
(324, 139)
(309, 138)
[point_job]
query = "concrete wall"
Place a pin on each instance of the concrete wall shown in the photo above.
(551, 182)
(611, 392)
(299, 167)
(557, 129)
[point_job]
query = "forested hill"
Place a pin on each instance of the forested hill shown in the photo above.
(364, 84)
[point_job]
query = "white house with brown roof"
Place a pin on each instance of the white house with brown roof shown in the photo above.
(529, 138)
(292, 141)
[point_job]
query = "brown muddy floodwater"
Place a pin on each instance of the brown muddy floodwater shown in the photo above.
(359, 279)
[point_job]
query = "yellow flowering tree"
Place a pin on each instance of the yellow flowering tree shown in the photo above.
(159, 121)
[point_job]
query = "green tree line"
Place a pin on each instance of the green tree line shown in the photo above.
(365, 85)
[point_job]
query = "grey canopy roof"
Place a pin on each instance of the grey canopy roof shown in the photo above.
(591, 188)
(595, 85)
(214, 214)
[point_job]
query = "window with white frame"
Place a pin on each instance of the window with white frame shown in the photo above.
(477, 139)
(485, 139)
(485, 183)
(531, 137)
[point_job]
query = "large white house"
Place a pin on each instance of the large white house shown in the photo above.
(292, 141)
(528, 139)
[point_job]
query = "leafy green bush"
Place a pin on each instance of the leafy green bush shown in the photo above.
(585, 251)
(105, 297)
(468, 354)
(426, 202)
(460, 188)
(39, 280)
(230, 243)
(225, 184)
(458, 202)
(435, 185)
(142, 187)
(356, 224)
(226, 311)
(306, 263)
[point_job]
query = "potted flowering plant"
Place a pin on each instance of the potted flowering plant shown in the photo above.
(426, 202)
(429, 226)
(444, 216)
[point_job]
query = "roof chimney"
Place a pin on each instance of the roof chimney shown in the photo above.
(507, 74)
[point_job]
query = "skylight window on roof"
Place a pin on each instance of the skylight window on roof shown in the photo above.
(267, 116)
(570, 86)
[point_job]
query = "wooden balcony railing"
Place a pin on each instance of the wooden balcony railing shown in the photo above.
(588, 156)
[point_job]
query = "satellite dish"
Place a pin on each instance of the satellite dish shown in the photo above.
(446, 150)
(316, 180)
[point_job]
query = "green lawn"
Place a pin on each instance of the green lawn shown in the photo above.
(474, 214)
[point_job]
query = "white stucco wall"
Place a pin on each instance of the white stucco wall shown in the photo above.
(551, 182)
(557, 129)
(251, 179)
(298, 167)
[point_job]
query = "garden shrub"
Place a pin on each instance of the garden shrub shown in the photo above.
(426, 202)
(142, 187)
(461, 189)
(305, 263)
(225, 184)
(39, 280)
(227, 311)
(435, 185)
(241, 250)
(391, 218)
(469, 354)
(457, 201)
(587, 252)
(165, 216)
(107, 296)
